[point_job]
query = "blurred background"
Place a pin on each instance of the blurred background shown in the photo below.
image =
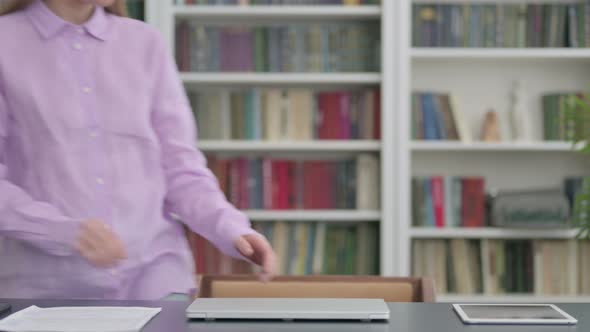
(443, 138)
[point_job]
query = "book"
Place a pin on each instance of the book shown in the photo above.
(448, 201)
(436, 116)
(296, 47)
(294, 114)
(500, 25)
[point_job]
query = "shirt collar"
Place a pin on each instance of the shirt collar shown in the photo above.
(48, 24)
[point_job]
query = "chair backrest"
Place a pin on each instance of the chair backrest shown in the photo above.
(390, 289)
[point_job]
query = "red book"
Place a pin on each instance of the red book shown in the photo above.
(328, 109)
(473, 202)
(319, 185)
(377, 114)
(307, 176)
(244, 192)
(276, 184)
(234, 182)
(344, 123)
(267, 188)
(282, 185)
(298, 186)
(438, 200)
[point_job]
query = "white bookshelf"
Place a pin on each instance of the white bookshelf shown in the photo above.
(481, 79)
(434, 146)
(490, 233)
(265, 79)
(290, 146)
(554, 54)
(311, 215)
(261, 12)
(168, 14)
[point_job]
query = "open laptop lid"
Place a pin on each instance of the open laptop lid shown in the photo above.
(288, 309)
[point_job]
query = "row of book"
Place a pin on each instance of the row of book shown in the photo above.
(277, 2)
(501, 25)
(491, 266)
(448, 201)
(436, 116)
(287, 114)
(279, 184)
(337, 47)
(563, 119)
(302, 248)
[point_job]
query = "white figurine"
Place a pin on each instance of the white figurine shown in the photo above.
(520, 122)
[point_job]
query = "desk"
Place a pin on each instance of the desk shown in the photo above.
(405, 317)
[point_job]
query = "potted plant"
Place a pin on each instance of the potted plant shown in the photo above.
(578, 113)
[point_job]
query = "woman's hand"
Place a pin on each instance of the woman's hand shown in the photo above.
(98, 244)
(256, 248)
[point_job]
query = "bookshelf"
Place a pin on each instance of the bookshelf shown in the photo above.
(490, 233)
(290, 146)
(319, 215)
(482, 79)
(277, 12)
(165, 15)
(554, 54)
(288, 79)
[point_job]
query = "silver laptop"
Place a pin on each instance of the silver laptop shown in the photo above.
(288, 309)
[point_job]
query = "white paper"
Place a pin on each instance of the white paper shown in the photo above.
(78, 319)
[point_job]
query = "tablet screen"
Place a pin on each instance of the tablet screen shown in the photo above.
(511, 312)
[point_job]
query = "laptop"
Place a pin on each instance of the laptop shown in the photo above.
(288, 309)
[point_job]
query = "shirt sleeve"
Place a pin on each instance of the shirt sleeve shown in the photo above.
(24, 218)
(193, 193)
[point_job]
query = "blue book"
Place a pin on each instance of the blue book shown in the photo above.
(257, 114)
(429, 222)
(429, 116)
(474, 28)
(441, 130)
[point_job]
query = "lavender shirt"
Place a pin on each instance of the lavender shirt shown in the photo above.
(95, 124)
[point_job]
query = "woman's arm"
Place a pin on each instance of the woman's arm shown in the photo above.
(193, 192)
(22, 217)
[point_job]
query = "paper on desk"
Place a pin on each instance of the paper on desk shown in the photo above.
(78, 319)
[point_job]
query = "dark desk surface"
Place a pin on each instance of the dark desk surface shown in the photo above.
(414, 317)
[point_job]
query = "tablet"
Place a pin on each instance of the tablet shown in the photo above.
(542, 314)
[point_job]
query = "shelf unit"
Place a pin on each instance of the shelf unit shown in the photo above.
(290, 79)
(481, 79)
(490, 233)
(277, 12)
(405, 68)
(492, 147)
(291, 146)
(557, 54)
(165, 17)
(314, 215)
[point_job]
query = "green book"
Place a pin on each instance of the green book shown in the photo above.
(260, 49)
(581, 26)
(330, 248)
(546, 102)
(250, 133)
(351, 250)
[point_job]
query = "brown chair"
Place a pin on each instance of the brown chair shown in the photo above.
(391, 289)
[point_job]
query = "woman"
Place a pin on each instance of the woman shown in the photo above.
(97, 160)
